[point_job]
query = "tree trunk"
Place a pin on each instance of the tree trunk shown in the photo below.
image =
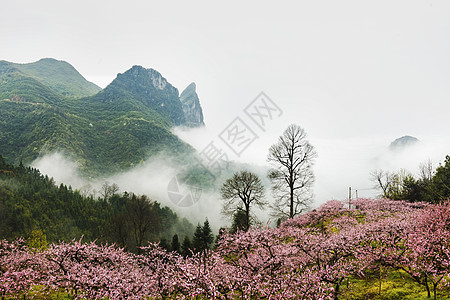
(247, 217)
(379, 288)
(427, 287)
(291, 211)
(336, 291)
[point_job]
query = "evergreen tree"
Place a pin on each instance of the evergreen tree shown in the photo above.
(441, 181)
(186, 247)
(203, 237)
(239, 221)
(3, 164)
(208, 237)
(175, 246)
(197, 243)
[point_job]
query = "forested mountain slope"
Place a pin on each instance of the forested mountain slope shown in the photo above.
(48, 106)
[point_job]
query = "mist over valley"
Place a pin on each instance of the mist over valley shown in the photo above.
(140, 134)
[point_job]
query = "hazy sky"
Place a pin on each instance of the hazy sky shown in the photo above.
(355, 74)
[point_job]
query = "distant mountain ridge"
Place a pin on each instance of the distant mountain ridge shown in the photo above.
(403, 142)
(58, 75)
(104, 131)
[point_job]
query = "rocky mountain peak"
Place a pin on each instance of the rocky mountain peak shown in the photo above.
(191, 106)
(141, 77)
(148, 75)
(149, 87)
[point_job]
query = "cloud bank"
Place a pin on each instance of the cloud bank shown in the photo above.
(341, 163)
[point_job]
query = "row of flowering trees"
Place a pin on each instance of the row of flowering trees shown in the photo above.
(308, 257)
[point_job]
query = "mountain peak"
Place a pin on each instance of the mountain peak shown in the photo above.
(191, 106)
(403, 142)
(145, 78)
(58, 75)
(148, 87)
(141, 73)
(50, 60)
(54, 76)
(190, 88)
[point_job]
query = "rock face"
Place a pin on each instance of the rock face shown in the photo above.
(149, 87)
(191, 107)
(403, 142)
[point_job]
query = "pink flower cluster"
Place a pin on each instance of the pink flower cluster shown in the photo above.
(308, 257)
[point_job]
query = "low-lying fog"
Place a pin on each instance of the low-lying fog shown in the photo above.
(340, 164)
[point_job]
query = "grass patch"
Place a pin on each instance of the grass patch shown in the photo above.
(396, 285)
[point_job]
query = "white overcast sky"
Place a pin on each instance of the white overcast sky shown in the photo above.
(355, 74)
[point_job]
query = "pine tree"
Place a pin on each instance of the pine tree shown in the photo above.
(440, 185)
(175, 246)
(197, 242)
(207, 235)
(203, 237)
(239, 221)
(186, 247)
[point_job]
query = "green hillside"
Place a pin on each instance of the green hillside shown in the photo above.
(60, 76)
(112, 130)
(17, 86)
(31, 203)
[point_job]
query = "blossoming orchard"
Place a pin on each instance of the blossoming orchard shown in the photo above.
(322, 254)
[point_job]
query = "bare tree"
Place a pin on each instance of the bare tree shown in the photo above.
(142, 218)
(292, 158)
(391, 184)
(426, 171)
(383, 180)
(240, 192)
(118, 229)
(107, 190)
(87, 190)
